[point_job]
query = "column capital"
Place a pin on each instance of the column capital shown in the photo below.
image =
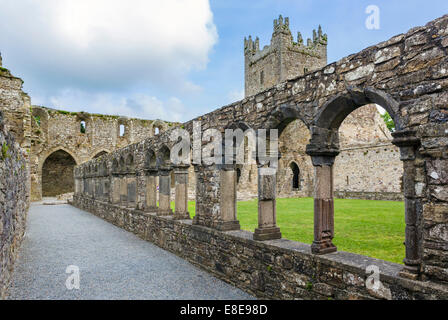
(164, 171)
(324, 142)
(150, 171)
(405, 138)
(182, 168)
(408, 142)
(324, 158)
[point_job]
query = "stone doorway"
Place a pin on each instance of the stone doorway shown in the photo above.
(57, 174)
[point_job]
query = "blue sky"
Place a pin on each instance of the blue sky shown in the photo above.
(174, 59)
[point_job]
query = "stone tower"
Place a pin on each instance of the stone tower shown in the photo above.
(283, 59)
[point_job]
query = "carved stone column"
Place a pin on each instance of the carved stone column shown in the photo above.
(408, 144)
(90, 185)
(164, 192)
(323, 149)
(85, 185)
(267, 212)
(181, 200)
(323, 205)
(151, 190)
(106, 188)
(123, 190)
(228, 186)
(98, 188)
(116, 188)
(131, 181)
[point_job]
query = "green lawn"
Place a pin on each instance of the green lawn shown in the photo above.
(371, 228)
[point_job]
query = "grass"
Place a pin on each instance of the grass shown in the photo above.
(367, 227)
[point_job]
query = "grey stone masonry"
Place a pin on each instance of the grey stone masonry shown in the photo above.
(14, 203)
(407, 75)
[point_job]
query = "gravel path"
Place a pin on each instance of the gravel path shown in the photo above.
(113, 263)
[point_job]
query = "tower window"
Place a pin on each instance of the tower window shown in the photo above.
(156, 131)
(262, 77)
(122, 130)
(82, 128)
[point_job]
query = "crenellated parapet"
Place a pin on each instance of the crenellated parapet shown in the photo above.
(284, 58)
(281, 28)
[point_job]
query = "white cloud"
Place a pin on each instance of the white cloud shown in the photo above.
(136, 105)
(107, 45)
(235, 95)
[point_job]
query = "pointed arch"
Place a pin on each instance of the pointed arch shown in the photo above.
(58, 174)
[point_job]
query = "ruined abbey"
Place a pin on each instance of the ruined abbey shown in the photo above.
(332, 142)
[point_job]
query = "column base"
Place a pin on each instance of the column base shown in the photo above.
(164, 212)
(228, 225)
(181, 216)
(410, 271)
(263, 234)
(151, 209)
(323, 247)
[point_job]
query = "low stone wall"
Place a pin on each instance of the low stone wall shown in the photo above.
(14, 203)
(276, 269)
(386, 196)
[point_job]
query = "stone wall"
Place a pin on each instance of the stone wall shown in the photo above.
(14, 203)
(57, 130)
(276, 269)
(42, 131)
(407, 75)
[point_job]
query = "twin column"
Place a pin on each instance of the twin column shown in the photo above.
(181, 193)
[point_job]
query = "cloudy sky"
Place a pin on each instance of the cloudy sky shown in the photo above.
(171, 59)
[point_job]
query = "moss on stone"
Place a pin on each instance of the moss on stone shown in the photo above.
(5, 148)
(309, 286)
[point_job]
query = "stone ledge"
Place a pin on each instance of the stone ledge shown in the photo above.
(266, 268)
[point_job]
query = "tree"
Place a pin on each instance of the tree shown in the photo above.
(388, 121)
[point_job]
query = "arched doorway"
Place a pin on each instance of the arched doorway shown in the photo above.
(57, 174)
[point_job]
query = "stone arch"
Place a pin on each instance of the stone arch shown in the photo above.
(104, 170)
(324, 147)
(150, 159)
(122, 164)
(249, 141)
(100, 153)
(130, 164)
(115, 166)
(163, 156)
(52, 150)
(334, 112)
(283, 115)
(57, 172)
